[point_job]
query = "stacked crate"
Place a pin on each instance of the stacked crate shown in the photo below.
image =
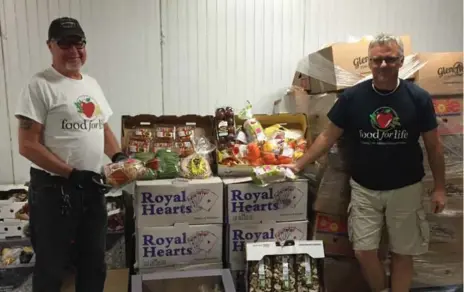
(277, 212)
(115, 256)
(442, 78)
(16, 254)
(179, 224)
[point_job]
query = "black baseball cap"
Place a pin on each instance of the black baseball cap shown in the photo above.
(64, 27)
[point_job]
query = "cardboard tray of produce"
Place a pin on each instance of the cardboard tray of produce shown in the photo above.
(290, 121)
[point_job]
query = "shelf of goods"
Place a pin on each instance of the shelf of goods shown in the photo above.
(17, 257)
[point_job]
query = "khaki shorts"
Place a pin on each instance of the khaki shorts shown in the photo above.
(405, 218)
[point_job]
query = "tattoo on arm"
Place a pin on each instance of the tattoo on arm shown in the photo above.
(25, 123)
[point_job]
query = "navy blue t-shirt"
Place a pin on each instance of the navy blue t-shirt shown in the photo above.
(382, 133)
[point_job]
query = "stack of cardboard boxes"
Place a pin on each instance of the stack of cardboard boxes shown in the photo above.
(442, 78)
(277, 212)
(179, 225)
(16, 255)
(319, 78)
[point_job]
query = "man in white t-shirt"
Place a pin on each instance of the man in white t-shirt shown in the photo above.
(63, 131)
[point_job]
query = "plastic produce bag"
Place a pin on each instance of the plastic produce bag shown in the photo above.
(268, 174)
(127, 171)
(197, 165)
(168, 164)
(252, 127)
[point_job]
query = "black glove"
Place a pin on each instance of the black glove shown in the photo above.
(85, 179)
(119, 157)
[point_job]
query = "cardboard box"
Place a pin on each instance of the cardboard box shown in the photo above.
(240, 234)
(448, 109)
(256, 252)
(185, 267)
(302, 80)
(437, 269)
(204, 124)
(341, 65)
(169, 201)
(116, 281)
(452, 150)
(333, 194)
(442, 73)
(249, 203)
(12, 228)
(184, 281)
(12, 199)
(344, 275)
(290, 121)
(178, 245)
(446, 228)
(333, 231)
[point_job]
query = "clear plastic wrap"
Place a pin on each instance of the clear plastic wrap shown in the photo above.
(269, 174)
(318, 67)
(197, 165)
(125, 172)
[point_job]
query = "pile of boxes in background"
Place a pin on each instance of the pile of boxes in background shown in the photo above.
(319, 78)
(442, 78)
(16, 254)
(17, 257)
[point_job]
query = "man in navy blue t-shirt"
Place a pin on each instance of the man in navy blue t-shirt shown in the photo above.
(382, 120)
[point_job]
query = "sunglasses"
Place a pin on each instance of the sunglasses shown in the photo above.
(67, 44)
(388, 60)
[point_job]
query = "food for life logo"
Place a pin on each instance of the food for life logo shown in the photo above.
(387, 128)
(384, 119)
(87, 107)
(90, 112)
(178, 204)
(158, 249)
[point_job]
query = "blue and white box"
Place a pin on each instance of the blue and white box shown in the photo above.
(280, 202)
(170, 201)
(238, 235)
(179, 245)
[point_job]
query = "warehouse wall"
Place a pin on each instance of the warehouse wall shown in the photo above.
(124, 55)
(208, 52)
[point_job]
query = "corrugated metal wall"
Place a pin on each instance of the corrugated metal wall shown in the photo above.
(124, 55)
(209, 52)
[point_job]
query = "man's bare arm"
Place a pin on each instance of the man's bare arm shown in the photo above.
(436, 158)
(111, 143)
(322, 145)
(31, 147)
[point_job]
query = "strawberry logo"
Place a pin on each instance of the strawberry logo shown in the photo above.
(384, 119)
(87, 107)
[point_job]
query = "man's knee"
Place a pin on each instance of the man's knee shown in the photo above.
(401, 257)
(366, 255)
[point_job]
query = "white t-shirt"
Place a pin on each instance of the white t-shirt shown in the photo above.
(73, 113)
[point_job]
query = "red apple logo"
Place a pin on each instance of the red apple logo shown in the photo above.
(88, 109)
(86, 106)
(384, 118)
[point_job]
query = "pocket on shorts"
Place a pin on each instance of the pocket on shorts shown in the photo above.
(423, 225)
